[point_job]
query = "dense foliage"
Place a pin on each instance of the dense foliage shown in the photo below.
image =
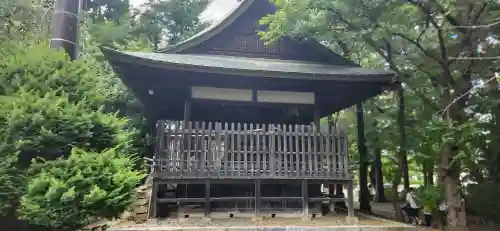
(70, 193)
(50, 125)
(444, 118)
(42, 69)
(76, 117)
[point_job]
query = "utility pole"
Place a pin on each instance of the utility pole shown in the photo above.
(65, 22)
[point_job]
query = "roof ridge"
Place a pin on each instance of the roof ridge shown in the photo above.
(210, 31)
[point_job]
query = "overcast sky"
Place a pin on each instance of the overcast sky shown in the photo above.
(215, 10)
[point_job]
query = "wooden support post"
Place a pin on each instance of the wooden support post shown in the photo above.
(187, 110)
(207, 198)
(305, 199)
(153, 207)
(185, 145)
(257, 198)
(350, 199)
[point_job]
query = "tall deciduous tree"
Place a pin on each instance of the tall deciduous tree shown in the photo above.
(435, 48)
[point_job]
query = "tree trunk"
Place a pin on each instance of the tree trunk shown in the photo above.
(428, 172)
(364, 193)
(449, 175)
(372, 174)
(395, 199)
(403, 159)
(424, 172)
(379, 177)
(429, 177)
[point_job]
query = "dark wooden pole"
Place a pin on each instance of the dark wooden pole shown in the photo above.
(65, 21)
(364, 193)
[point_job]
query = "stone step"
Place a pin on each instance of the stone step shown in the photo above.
(140, 208)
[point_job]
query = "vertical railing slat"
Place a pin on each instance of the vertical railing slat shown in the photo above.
(272, 150)
(161, 151)
(226, 164)
(279, 151)
(251, 149)
(201, 142)
(245, 147)
(335, 151)
(329, 151)
(303, 162)
(257, 150)
(217, 150)
(285, 150)
(309, 150)
(209, 150)
(265, 150)
(238, 148)
(297, 150)
(291, 150)
(233, 151)
(176, 147)
(315, 151)
(192, 144)
(323, 146)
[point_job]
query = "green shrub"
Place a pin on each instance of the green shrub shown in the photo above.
(391, 195)
(51, 125)
(10, 179)
(71, 193)
(483, 200)
(38, 67)
(429, 197)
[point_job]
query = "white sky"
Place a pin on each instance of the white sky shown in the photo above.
(215, 11)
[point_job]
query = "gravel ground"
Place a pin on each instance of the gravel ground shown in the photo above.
(239, 222)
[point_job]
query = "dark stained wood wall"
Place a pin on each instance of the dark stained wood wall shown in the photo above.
(241, 39)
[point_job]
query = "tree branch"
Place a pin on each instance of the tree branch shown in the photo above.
(387, 57)
(449, 18)
(431, 76)
(418, 45)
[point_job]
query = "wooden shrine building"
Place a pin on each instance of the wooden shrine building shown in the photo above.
(238, 121)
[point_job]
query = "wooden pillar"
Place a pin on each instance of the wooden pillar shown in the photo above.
(65, 26)
(305, 199)
(187, 111)
(187, 138)
(153, 202)
(257, 197)
(207, 198)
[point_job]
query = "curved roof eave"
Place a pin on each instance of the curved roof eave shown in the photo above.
(240, 66)
(210, 31)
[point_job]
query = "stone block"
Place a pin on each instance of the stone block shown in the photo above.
(141, 209)
(257, 218)
(352, 220)
(140, 218)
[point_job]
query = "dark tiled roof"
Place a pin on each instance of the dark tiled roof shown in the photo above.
(259, 67)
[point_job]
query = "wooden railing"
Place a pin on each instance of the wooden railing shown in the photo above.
(216, 150)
